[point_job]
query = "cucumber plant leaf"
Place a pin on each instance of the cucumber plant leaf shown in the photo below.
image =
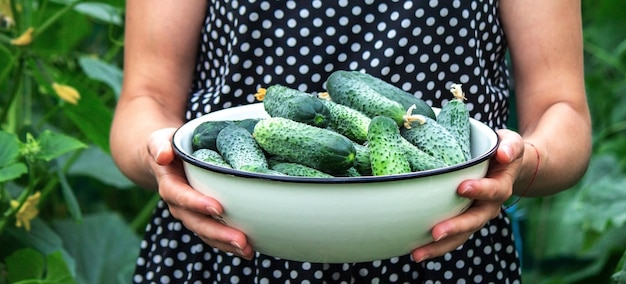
(10, 167)
(603, 195)
(54, 145)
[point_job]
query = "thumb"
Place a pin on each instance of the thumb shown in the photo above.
(160, 145)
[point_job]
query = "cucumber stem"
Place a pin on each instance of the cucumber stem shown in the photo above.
(260, 94)
(324, 96)
(409, 117)
(457, 92)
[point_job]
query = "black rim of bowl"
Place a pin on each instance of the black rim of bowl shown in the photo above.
(186, 157)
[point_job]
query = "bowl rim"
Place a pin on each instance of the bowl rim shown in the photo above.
(188, 158)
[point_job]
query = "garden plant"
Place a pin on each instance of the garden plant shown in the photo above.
(67, 215)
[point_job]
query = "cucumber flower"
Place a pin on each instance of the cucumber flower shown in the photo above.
(66, 93)
(27, 212)
(24, 39)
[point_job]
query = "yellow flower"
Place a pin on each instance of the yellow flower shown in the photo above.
(27, 212)
(66, 93)
(6, 14)
(25, 39)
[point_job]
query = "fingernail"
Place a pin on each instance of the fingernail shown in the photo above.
(507, 152)
(238, 248)
(158, 153)
(466, 190)
(237, 245)
(441, 237)
(213, 211)
(421, 259)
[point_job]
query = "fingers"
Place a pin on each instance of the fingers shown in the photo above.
(160, 145)
(199, 213)
(488, 193)
(450, 234)
(214, 233)
(202, 215)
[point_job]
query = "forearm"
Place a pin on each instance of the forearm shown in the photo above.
(556, 152)
(547, 58)
(160, 49)
(135, 120)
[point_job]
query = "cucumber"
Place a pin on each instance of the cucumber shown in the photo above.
(351, 172)
(347, 121)
(386, 155)
(345, 88)
(394, 93)
(432, 138)
(281, 101)
(260, 170)
(362, 160)
(294, 169)
(311, 146)
(420, 160)
(455, 117)
(205, 134)
(247, 123)
(211, 157)
(239, 148)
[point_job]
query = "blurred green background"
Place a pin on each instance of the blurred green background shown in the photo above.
(54, 155)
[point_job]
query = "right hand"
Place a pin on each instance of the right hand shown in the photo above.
(198, 213)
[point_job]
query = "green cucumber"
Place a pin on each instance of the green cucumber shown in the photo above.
(420, 160)
(346, 88)
(432, 138)
(386, 155)
(311, 146)
(362, 160)
(211, 157)
(295, 169)
(351, 172)
(281, 101)
(247, 123)
(455, 117)
(205, 134)
(239, 148)
(260, 170)
(347, 121)
(394, 93)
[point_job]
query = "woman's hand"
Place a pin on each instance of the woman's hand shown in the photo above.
(198, 213)
(488, 193)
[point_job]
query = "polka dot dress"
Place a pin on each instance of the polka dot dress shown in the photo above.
(422, 47)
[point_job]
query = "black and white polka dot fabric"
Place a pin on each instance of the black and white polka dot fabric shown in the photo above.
(421, 46)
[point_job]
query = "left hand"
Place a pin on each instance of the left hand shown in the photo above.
(488, 193)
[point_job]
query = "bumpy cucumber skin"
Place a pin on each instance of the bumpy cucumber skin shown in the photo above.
(394, 93)
(435, 140)
(351, 172)
(454, 116)
(420, 160)
(299, 170)
(211, 157)
(260, 170)
(239, 148)
(247, 123)
(205, 134)
(386, 155)
(348, 121)
(362, 160)
(347, 89)
(311, 146)
(281, 101)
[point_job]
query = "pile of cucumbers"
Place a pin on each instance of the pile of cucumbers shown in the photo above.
(362, 126)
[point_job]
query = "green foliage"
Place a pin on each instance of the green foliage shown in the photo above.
(59, 81)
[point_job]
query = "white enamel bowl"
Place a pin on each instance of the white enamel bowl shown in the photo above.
(333, 220)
